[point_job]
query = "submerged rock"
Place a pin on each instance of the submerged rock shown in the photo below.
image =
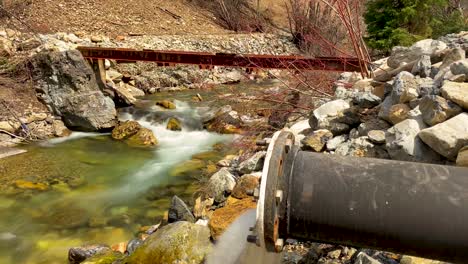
(22, 184)
(166, 104)
(180, 242)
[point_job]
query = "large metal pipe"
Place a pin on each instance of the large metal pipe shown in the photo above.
(404, 207)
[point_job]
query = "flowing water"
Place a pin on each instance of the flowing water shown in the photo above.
(88, 188)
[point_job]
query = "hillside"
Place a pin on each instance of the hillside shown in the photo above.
(112, 17)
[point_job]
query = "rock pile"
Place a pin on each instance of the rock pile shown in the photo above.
(418, 115)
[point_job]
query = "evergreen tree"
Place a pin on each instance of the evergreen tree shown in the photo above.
(403, 22)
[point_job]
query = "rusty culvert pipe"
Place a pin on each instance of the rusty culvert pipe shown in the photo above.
(410, 208)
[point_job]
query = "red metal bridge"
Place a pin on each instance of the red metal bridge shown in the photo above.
(208, 60)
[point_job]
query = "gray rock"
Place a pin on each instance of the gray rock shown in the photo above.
(376, 136)
(333, 143)
(221, 184)
(367, 100)
(405, 88)
(372, 124)
(385, 108)
(436, 109)
(361, 147)
(330, 109)
(452, 56)
(254, 163)
(449, 137)
(401, 55)
(459, 67)
(354, 133)
(180, 242)
(427, 87)
(423, 67)
(404, 144)
(179, 211)
(456, 92)
(70, 89)
(363, 258)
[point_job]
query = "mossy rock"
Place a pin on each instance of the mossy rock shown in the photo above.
(108, 258)
(174, 124)
(166, 104)
(144, 137)
(125, 130)
(181, 242)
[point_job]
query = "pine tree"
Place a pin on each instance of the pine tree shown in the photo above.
(403, 22)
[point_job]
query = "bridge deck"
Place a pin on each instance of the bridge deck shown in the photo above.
(208, 60)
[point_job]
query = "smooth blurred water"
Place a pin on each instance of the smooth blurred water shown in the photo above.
(98, 190)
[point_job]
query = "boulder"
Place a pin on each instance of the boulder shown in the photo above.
(459, 67)
(423, 67)
(220, 185)
(404, 144)
(436, 109)
(329, 110)
(361, 147)
(403, 55)
(174, 124)
(333, 143)
(458, 78)
(125, 130)
(456, 92)
(452, 56)
(225, 216)
(245, 186)
(254, 163)
(462, 158)
(405, 88)
(449, 137)
(367, 100)
(317, 140)
(179, 211)
(181, 242)
(108, 258)
(166, 104)
(68, 86)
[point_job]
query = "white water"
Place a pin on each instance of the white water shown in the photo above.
(233, 248)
